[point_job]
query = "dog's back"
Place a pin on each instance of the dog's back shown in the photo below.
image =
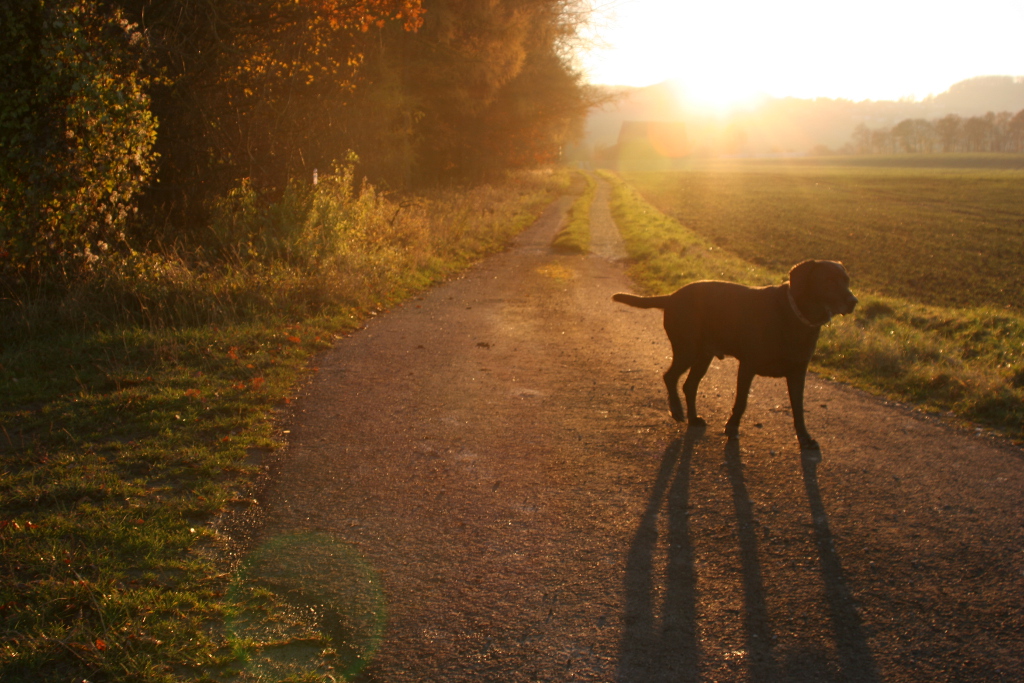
(710, 290)
(711, 317)
(709, 302)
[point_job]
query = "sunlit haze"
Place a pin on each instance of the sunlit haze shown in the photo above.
(723, 54)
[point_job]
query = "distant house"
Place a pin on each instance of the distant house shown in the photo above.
(643, 143)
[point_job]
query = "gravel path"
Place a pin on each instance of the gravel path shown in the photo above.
(499, 453)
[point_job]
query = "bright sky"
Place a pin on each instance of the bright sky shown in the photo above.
(725, 52)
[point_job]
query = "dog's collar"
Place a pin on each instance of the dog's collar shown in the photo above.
(796, 310)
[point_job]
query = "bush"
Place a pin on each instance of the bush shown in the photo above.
(75, 132)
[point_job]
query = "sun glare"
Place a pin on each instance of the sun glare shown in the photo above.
(727, 55)
(714, 95)
(711, 76)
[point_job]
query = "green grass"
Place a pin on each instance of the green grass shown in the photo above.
(967, 360)
(134, 413)
(574, 237)
(948, 237)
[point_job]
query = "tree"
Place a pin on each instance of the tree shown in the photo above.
(926, 136)
(1015, 128)
(76, 134)
(493, 84)
(861, 139)
(421, 90)
(904, 136)
(1000, 130)
(882, 141)
(914, 135)
(254, 89)
(262, 91)
(949, 129)
(978, 134)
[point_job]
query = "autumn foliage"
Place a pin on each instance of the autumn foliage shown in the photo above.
(199, 96)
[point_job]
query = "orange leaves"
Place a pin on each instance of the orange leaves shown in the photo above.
(255, 384)
(254, 358)
(292, 333)
(362, 15)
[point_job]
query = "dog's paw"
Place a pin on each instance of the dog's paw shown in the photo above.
(808, 444)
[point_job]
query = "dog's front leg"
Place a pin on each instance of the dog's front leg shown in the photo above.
(795, 382)
(743, 380)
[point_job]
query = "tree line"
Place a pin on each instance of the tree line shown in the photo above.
(122, 121)
(1002, 132)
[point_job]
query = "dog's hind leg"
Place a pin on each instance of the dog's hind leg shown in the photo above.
(682, 360)
(671, 377)
(696, 374)
(744, 378)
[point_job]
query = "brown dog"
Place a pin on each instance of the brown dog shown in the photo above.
(772, 331)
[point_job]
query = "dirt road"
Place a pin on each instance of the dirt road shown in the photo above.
(499, 454)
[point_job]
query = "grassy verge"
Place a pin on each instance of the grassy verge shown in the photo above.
(966, 361)
(575, 236)
(134, 412)
(950, 237)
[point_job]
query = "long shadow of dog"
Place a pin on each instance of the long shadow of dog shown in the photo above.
(855, 658)
(665, 649)
(668, 648)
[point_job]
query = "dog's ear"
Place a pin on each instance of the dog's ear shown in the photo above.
(800, 275)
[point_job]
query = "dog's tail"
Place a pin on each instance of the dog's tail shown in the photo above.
(642, 301)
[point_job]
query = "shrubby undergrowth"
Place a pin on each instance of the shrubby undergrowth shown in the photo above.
(76, 135)
(314, 250)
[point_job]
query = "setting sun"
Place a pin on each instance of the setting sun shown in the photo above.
(726, 55)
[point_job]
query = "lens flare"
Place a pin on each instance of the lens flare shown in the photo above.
(331, 600)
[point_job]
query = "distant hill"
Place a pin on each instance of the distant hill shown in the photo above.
(977, 96)
(788, 125)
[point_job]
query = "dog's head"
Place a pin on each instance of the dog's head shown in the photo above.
(821, 289)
